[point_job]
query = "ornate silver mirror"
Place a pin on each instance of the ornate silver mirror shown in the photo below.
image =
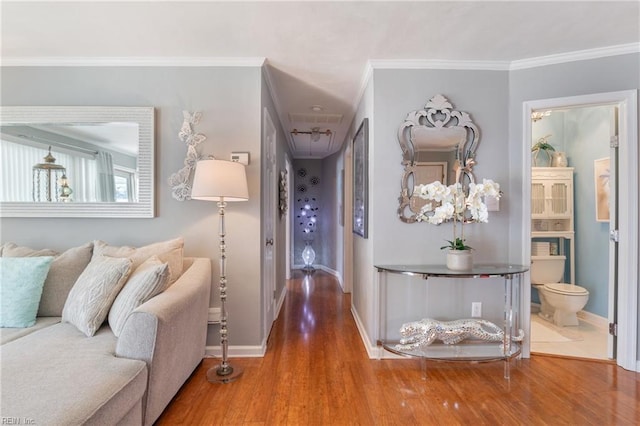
(438, 144)
(77, 161)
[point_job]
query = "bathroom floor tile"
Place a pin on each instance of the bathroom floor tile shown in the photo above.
(583, 341)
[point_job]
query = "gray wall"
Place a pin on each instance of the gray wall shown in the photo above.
(230, 101)
(392, 94)
(608, 74)
(332, 247)
(494, 100)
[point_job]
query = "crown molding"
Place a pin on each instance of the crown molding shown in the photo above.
(519, 64)
(271, 87)
(579, 55)
(151, 61)
(438, 64)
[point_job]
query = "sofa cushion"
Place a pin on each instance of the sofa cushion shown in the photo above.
(56, 376)
(93, 294)
(14, 250)
(63, 273)
(170, 251)
(21, 281)
(148, 280)
(9, 334)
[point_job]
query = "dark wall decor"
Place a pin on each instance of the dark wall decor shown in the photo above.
(283, 189)
(360, 179)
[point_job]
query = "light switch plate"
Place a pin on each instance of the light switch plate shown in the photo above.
(240, 157)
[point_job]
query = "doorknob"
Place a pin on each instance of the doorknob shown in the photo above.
(269, 241)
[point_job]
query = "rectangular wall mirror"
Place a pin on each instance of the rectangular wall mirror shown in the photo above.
(77, 161)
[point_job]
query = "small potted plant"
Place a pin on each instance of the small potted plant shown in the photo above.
(542, 145)
(459, 255)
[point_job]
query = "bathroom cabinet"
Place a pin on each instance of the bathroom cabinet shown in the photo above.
(408, 293)
(552, 208)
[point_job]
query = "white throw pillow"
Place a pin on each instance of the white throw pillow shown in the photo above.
(148, 280)
(93, 294)
(170, 251)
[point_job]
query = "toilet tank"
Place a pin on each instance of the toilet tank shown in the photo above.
(547, 269)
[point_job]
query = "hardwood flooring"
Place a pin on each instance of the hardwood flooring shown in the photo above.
(317, 372)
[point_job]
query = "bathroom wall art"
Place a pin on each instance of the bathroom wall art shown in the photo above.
(601, 172)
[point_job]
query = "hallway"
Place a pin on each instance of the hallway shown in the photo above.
(316, 372)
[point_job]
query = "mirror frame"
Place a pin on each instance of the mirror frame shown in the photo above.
(142, 116)
(438, 118)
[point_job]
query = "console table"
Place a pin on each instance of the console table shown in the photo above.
(406, 299)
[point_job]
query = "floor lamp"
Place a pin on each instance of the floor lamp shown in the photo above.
(221, 181)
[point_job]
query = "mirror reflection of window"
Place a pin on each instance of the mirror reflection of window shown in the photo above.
(90, 171)
(125, 185)
(16, 177)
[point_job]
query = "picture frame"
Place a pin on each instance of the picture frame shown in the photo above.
(601, 173)
(361, 180)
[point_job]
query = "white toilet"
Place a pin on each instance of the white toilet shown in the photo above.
(559, 302)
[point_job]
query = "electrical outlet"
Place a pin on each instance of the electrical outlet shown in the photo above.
(476, 309)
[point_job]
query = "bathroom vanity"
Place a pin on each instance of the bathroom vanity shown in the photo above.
(410, 293)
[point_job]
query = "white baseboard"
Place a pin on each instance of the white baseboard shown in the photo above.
(597, 320)
(325, 269)
(372, 351)
(280, 302)
(237, 351)
(214, 316)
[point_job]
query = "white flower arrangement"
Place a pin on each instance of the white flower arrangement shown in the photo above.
(451, 203)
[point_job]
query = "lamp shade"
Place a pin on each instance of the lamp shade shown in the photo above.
(216, 180)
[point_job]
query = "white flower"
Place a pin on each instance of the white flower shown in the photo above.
(441, 213)
(452, 204)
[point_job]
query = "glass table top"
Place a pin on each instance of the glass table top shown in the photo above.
(478, 271)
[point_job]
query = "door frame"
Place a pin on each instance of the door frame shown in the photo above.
(268, 215)
(288, 166)
(626, 101)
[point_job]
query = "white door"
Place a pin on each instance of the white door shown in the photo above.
(269, 202)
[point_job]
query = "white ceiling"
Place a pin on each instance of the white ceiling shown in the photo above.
(317, 52)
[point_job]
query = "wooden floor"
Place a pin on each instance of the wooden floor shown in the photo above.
(316, 372)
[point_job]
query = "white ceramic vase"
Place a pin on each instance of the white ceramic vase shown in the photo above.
(459, 260)
(559, 159)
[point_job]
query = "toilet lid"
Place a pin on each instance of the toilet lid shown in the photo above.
(563, 288)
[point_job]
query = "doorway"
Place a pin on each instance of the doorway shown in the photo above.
(573, 237)
(620, 299)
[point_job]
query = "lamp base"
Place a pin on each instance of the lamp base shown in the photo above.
(217, 374)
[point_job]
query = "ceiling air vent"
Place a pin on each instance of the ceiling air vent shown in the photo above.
(315, 118)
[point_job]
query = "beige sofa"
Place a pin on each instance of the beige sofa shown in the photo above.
(53, 374)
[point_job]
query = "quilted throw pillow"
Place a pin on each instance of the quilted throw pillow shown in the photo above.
(148, 280)
(21, 281)
(93, 294)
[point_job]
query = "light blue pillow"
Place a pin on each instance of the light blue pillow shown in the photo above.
(21, 282)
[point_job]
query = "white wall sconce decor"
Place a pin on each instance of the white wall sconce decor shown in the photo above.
(180, 180)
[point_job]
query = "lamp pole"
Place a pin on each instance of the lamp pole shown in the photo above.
(224, 372)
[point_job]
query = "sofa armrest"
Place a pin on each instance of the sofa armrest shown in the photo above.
(169, 333)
